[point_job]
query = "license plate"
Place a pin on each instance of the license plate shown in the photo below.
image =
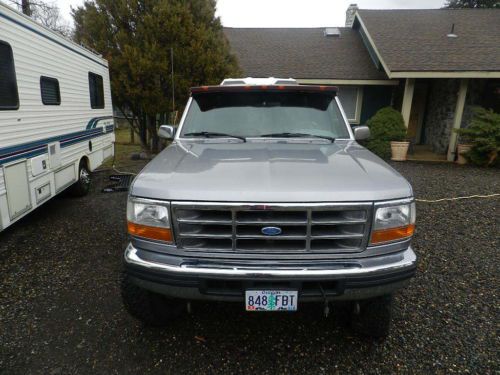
(271, 300)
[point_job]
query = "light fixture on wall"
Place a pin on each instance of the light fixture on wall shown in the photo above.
(452, 32)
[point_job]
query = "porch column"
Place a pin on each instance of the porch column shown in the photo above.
(407, 99)
(457, 118)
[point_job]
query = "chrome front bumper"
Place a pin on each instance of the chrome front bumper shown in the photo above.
(198, 279)
(361, 267)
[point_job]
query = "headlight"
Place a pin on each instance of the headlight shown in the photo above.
(149, 219)
(392, 223)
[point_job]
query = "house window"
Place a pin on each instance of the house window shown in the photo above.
(9, 98)
(96, 91)
(351, 98)
(49, 88)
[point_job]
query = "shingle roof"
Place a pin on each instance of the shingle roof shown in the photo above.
(416, 40)
(302, 53)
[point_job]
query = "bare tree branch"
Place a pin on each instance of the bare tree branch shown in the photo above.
(46, 14)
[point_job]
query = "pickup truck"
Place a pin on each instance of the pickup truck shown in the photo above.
(264, 197)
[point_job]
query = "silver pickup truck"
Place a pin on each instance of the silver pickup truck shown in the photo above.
(264, 197)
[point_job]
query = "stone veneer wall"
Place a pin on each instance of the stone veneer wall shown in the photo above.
(441, 104)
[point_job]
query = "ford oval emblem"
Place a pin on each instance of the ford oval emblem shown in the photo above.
(271, 231)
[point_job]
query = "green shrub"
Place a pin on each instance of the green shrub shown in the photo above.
(379, 147)
(484, 135)
(385, 126)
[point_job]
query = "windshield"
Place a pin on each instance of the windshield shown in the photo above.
(264, 114)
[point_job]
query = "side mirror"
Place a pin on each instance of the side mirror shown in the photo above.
(361, 132)
(166, 132)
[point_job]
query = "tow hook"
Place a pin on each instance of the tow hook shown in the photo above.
(326, 309)
(357, 308)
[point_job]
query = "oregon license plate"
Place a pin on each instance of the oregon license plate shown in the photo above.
(271, 300)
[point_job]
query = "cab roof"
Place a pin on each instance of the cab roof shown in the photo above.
(332, 90)
(258, 81)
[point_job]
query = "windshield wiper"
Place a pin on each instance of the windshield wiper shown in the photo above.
(214, 135)
(297, 135)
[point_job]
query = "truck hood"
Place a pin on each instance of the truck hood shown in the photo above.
(225, 171)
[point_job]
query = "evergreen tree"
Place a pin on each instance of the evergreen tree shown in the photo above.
(457, 4)
(137, 37)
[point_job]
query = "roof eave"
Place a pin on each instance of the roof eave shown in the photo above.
(357, 17)
(401, 74)
(445, 74)
(343, 81)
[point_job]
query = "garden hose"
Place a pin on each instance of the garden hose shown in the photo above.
(457, 198)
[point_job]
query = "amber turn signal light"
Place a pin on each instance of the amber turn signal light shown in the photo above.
(154, 233)
(392, 234)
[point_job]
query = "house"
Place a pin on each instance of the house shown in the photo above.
(432, 65)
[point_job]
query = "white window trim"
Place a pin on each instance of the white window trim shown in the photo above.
(359, 104)
(350, 83)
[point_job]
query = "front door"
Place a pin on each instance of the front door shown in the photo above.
(417, 112)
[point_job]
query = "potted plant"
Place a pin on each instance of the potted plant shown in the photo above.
(388, 135)
(399, 149)
(463, 147)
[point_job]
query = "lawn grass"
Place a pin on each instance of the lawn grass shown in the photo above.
(123, 150)
(122, 136)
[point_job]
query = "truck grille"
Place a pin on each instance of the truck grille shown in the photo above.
(325, 228)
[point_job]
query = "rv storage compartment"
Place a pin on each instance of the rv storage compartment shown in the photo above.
(65, 177)
(96, 159)
(42, 192)
(16, 184)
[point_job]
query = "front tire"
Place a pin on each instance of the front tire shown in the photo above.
(82, 186)
(150, 308)
(374, 316)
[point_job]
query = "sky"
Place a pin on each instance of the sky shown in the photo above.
(287, 13)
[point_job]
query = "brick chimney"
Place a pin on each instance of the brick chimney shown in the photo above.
(349, 15)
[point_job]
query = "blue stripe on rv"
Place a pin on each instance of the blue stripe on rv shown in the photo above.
(31, 149)
(93, 121)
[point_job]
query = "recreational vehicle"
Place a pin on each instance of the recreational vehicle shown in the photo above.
(56, 123)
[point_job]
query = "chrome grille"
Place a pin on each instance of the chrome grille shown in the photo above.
(308, 228)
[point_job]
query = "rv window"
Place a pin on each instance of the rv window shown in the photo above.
(8, 85)
(49, 88)
(96, 91)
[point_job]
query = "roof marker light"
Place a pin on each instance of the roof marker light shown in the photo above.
(241, 88)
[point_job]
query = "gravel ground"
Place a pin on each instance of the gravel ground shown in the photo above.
(61, 313)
